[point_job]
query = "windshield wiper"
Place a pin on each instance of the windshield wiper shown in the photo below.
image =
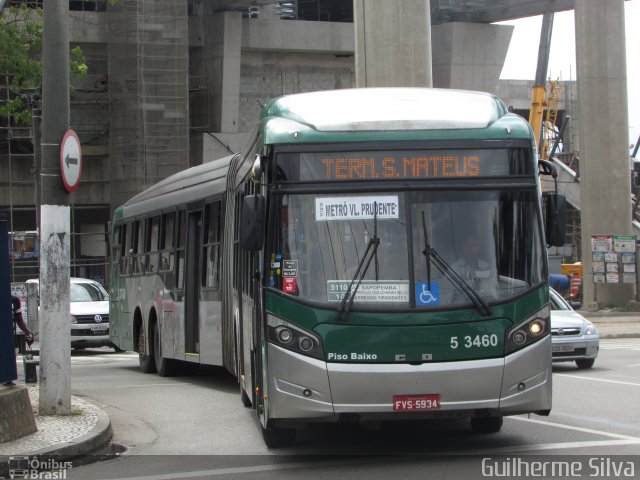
(430, 253)
(426, 251)
(363, 266)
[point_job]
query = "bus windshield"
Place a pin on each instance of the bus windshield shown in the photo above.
(491, 239)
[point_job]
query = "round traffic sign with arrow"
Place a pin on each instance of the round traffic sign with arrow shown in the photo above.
(70, 160)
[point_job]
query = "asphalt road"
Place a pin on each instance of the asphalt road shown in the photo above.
(194, 426)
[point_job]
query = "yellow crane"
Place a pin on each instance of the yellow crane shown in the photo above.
(539, 89)
(549, 132)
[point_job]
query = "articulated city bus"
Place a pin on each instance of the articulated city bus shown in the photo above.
(373, 254)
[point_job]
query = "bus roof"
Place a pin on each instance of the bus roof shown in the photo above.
(389, 114)
(187, 185)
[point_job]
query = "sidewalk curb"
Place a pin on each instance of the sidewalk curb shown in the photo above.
(99, 436)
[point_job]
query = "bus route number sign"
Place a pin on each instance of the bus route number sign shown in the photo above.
(416, 403)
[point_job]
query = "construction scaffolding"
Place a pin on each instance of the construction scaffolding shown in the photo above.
(19, 182)
(148, 93)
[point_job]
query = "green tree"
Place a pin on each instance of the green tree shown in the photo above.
(21, 60)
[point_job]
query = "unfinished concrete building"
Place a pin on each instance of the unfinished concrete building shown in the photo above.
(174, 83)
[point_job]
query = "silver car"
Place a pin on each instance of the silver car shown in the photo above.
(574, 338)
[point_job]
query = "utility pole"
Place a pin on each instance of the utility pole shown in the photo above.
(55, 346)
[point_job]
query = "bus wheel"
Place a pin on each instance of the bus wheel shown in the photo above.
(147, 365)
(486, 424)
(164, 366)
(278, 437)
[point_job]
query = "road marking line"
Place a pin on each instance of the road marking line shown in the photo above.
(577, 429)
(177, 384)
(619, 382)
(540, 447)
(247, 469)
(355, 461)
(619, 440)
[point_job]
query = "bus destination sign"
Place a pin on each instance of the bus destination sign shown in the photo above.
(398, 165)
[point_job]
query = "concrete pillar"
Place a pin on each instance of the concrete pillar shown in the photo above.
(393, 43)
(222, 59)
(605, 184)
(469, 56)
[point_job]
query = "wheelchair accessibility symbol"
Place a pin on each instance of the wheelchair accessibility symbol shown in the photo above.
(425, 296)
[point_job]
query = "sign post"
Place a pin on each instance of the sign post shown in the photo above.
(70, 160)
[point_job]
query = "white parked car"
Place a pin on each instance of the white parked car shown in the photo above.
(89, 308)
(573, 337)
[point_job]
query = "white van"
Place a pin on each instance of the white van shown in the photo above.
(89, 306)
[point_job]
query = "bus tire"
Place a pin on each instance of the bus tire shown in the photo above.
(275, 437)
(486, 424)
(147, 364)
(165, 367)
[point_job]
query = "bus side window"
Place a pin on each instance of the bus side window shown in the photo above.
(211, 247)
(129, 246)
(237, 252)
(115, 247)
(152, 244)
(166, 242)
(182, 238)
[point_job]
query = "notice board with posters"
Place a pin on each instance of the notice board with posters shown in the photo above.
(613, 259)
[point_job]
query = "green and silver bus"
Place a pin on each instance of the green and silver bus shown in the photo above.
(370, 255)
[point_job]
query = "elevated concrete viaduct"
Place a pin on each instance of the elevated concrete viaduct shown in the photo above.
(174, 83)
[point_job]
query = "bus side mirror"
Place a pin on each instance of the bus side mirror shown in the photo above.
(256, 170)
(556, 219)
(252, 222)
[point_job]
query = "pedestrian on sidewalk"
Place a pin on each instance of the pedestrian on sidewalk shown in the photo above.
(18, 321)
(16, 306)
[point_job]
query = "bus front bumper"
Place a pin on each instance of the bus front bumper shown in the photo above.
(307, 389)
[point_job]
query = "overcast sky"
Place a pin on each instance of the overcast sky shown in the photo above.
(523, 54)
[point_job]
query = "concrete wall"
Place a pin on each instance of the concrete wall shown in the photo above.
(469, 56)
(265, 59)
(88, 27)
(92, 240)
(298, 36)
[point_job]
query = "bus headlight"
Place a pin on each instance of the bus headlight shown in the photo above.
(536, 327)
(294, 338)
(305, 344)
(284, 335)
(529, 331)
